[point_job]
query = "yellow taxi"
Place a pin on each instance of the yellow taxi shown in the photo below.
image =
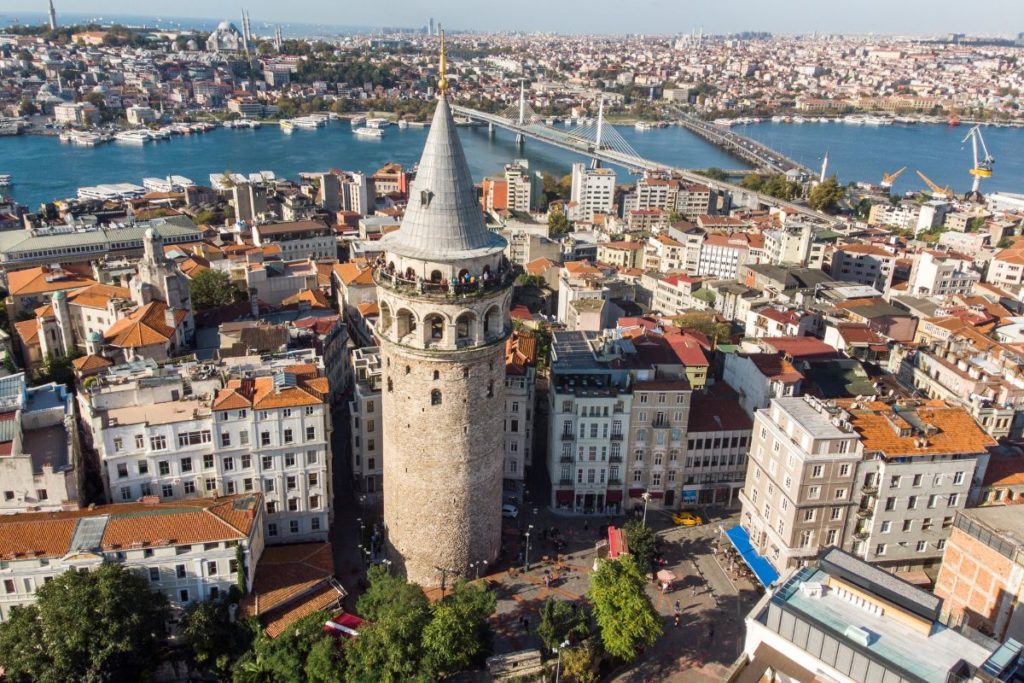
(687, 519)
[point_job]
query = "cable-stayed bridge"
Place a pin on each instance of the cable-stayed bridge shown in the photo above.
(602, 143)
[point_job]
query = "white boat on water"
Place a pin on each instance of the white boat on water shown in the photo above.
(403, 124)
(877, 121)
(5, 180)
(799, 119)
(642, 126)
(369, 132)
(134, 137)
(378, 123)
(84, 138)
(854, 120)
(418, 124)
(357, 121)
(777, 118)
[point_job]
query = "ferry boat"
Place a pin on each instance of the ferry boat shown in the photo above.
(135, 137)
(357, 121)
(854, 120)
(877, 121)
(642, 126)
(418, 124)
(778, 118)
(85, 138)
(287, 126)
(5, 180)
(369, 132)
(724, 122)
(378, 123)
(799, 119)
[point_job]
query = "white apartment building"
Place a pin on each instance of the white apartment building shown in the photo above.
(656, 192)
(664, 254)
(588, 424)
(188, 550)
(940, 274)
(694, 200)
(520, 185)
(789, 245)
(367, 425)
(673, 294)
(722, 255)
(1006, 268)
(867, 264)
(593, 191)
(298, 239)
(40, 459)
(191, 430)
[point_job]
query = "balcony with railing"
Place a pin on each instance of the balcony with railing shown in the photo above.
(616, 436)
(568, 436)
(466, 288)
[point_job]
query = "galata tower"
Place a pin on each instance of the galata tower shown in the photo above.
(444, 290)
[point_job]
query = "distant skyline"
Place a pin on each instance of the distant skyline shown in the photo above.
(988, 17)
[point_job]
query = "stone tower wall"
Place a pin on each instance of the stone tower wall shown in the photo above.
(442, 462)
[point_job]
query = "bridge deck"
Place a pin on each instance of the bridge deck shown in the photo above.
(581, 145)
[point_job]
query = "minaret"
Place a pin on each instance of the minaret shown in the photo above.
(824, 168)
(53, 17)
(444, 291)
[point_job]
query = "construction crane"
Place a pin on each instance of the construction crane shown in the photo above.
(945, 192)
(982, 167)
(889, 178)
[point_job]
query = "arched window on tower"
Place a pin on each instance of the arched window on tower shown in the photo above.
(435, 276)
(437, 375)
(407, 369)
(490, 389)
(435, 397)
(391, 385)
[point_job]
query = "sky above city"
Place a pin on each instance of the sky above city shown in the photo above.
(992, 17)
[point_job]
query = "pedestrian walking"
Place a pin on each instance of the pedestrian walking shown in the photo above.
(693, 591)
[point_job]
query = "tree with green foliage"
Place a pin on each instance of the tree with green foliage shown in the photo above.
(714, 173)
(558, 224)
(527, 280)
(625, 616)
(642, 544)
(706, 324)
(58, 368)
(774, 185)
(579, 663)
(302, 653)
(212, 289)
(212, 640)
(98, 625)
(706, 295)
(388, 648)
(827, 195)
(458, 635)
(561, 621)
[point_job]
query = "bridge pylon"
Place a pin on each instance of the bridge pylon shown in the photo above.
(520, 140)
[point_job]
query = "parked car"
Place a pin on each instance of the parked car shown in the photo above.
(509, 511)
(687, 519)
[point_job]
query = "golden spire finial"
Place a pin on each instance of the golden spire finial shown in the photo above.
(442, 81)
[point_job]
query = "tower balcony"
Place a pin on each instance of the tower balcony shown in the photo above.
(467, 288)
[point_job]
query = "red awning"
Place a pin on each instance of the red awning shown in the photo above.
(657, 494)
(635, 493)
(617, 544)
(613, 496)
(564, 497)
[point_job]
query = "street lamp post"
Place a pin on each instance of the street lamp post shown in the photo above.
(558, 667)
(526, 564)
(646, 496)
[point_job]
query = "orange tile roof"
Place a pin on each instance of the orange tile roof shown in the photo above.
(197, 520)
(28, 330)
(90, 362)
(292, 581)
(314, 297)
(956, 432)
(354, 273)
(97, 296)
(34, 281)
(144, 326)
(368, 309)
(261, 393)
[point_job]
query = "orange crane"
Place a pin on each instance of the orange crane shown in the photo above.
(945, 192)
(889, 178)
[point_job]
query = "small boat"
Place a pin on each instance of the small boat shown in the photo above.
(135, 137)
(403, 124)
(5, 180)
(369, 132)
(378, 123)
(953, 120)
(357, 121)
(287, 126)
(642, 126)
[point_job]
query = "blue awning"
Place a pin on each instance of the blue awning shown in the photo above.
(762, 568)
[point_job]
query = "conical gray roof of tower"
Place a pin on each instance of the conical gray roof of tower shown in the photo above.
(443, 221)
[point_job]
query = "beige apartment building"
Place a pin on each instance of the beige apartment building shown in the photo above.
(800, 480)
